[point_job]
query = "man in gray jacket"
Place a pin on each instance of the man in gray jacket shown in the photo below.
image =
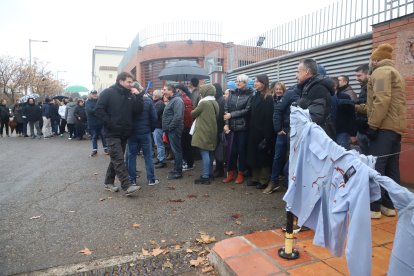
(172, 125)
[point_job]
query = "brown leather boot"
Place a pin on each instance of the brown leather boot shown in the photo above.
(229, 178)
(240, 178)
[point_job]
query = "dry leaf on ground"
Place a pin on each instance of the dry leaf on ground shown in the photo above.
(171, 188)
(36, 217)
(95, 174)
(205, 239)
(192, 196)
(176, 200)
(206, 195)
(189, 250)
(177, 247)
(157, 251)
(167, 264)
(207, 269)
(163, 241)
(102, 199)
(229, 233)
(145, 252)
(86, 251)
(238, 222)
(136, 225)
(236, 215)
(197, 262)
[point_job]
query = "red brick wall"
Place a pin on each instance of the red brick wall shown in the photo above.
(393, 32)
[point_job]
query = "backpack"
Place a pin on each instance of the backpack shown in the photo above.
(188, 107)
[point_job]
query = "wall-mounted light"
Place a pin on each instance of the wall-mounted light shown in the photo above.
(162, 45)
(140, 48)
(260, 41)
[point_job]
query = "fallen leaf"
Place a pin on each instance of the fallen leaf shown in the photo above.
(167, 264)
(86, 251)
(163, 241)
(206, 239)
(95, 174)
(136, 225)
(153, 242)
(192, 196)
(196, 262)
(36, 217)
(145, 252)
(177, 247)
(202, 253)
(171, 188)
(229, 233)
(157, 251)
(265, 219)
(102, 199)
(207, 269)
(189, 250)
(238, 222)
(166, 252)
(109, 197)
(206, 195)
(71, 211)
(236, 215)
(176, 200)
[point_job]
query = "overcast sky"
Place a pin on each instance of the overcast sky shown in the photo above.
(74, 27)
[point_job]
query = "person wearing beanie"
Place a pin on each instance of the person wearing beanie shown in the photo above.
(386, 110)
(204, 130)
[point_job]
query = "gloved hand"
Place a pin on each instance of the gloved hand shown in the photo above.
(372, 133)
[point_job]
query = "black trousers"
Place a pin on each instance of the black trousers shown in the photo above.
(4, 124)
(187, 148)
(387, 142)
(116, 167)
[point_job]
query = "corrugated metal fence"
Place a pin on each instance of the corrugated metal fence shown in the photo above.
(340, 58)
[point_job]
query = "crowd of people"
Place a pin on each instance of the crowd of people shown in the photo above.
(241, 134)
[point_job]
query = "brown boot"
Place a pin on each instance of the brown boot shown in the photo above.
(240, 178)
(229, 178)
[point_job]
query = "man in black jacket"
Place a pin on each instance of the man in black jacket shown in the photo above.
(316, 94)
(116, 106)
(361, 119)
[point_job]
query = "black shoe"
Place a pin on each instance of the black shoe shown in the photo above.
(94, 153)
(218, 173)
(261, 186)
(252, 183)
(157, 162)
(202, 180)
(174, 175)
(160, 165)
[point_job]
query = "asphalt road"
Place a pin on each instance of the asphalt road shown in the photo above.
(52, 205)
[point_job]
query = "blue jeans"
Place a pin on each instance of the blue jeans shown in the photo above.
(207, 160)
(174, 138)
(96, 132)
(135, 142)
(238, 151)
(160, 144)
(279, 158)
(343, 139)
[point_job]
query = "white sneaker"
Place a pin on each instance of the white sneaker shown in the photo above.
(132, 189)
(388, 212)
(155, 182)
(375, 215)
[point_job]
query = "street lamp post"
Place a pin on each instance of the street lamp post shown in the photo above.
(30, 56)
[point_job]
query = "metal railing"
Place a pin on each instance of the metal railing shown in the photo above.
(341, 20)
(172, 31)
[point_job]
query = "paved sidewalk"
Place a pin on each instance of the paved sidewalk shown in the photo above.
(256, 253)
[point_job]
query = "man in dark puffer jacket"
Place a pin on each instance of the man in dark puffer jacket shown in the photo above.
(316, 94)
(116, 107)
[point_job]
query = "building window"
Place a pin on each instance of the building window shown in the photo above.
(110, 76)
